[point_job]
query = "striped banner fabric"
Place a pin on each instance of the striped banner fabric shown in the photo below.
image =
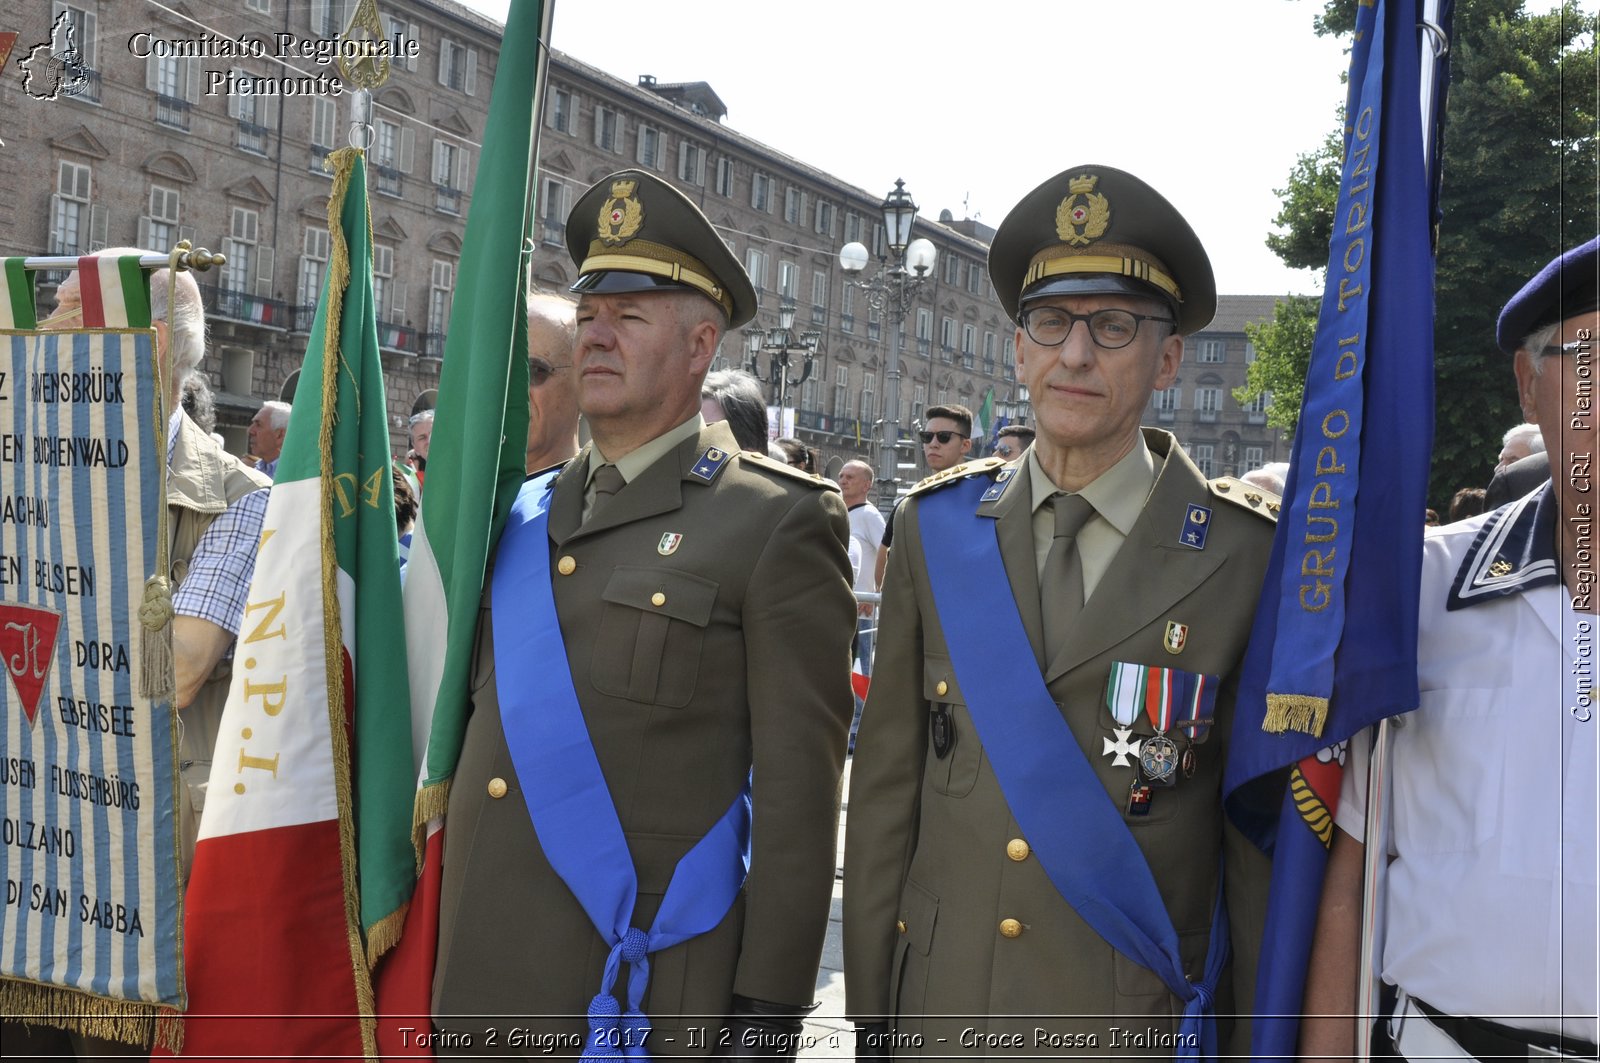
(16, 309)
(89, 932)
(114, 292)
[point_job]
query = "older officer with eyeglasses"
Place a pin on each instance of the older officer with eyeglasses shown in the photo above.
(1037, 862)
(552, 393)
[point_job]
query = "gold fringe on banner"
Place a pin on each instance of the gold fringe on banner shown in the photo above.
(342, 162)
(432, 801)
(1295, 712)
(132, 1022)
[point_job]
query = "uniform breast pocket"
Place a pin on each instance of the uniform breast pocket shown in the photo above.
(651, 634)
(954, 752)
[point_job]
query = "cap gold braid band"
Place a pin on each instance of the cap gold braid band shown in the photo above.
(659, 261)
(1059, 259)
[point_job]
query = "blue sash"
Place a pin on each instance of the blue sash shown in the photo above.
(566, 792)
(1089, 855)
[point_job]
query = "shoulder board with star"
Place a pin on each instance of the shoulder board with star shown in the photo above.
(1257, 500)
(783, 468)
(949, 476)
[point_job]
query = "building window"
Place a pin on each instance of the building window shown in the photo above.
(440, 288)
(1167, 403)
(324, 131)
(1249, 352)
(393, 149)
(607, 129)
(1208, 351)
(81, 26)
(553, 213)
(254, 115)
(382, 279)
(841, 391)
(450, 163)
(824, 218)
(458, 66)
(313, 267)
(1256, 409)
(648, 152)
(919, 400)
(725, 176)
(988, 351)
(869, 402)
(330, 17)
(947, 337)
(875, 323)
(793, 205)
(240, 248)
(788, 281)
(69, 210)
(852, 227)
(880, 240)
(847, 309)
(1205, 458)
(691, 163)
(924, 330)
(952, 269)
(974, 278)
(819, 297)
(158, 230)
(563, 111)
(755, 264)
(761, 192)
(174, 83)
(1254, 458)
(260, 7)
(398, 32)
(1208, 402)
(969, 345)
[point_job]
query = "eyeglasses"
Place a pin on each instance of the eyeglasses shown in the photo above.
(1005, 451)
(1111, 329)
(943, 437)
(1575, 347)
(540, 371)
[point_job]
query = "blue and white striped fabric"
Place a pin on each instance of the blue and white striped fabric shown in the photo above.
(88, 778)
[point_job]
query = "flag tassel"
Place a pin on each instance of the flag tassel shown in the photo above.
(1295, 712)
(129, 1022)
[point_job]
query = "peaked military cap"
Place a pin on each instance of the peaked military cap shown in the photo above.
(1569, 285)
(634, 232)
(1094, 230)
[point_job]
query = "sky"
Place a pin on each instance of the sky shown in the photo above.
(1210, 103)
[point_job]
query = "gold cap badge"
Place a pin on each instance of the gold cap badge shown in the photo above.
(621, 215)
(1083, 216)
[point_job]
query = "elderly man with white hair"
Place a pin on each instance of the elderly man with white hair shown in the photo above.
(267, 429)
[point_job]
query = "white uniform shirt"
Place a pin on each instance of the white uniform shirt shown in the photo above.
(1491, 891)
(866, 529)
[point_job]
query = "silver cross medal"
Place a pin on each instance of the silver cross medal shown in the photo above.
(1120, 750)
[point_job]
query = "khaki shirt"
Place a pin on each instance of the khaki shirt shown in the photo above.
(632, 464)
(1118, 496)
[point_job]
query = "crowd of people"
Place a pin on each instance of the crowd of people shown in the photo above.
(642, 823)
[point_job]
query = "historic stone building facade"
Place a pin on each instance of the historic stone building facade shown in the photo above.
(160, 146)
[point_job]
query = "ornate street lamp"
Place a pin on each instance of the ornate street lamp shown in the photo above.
(781, 346)
(894, 287)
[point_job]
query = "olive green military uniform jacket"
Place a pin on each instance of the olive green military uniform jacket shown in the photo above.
(935, 862)
(693, 659)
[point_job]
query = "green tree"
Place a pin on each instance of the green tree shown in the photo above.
(1519, 165)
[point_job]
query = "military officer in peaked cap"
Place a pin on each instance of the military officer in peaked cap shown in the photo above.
(664, 647)
(1490, 902)
(1037, 861)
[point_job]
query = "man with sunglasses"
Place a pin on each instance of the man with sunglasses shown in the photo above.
(552, 398)
(946, 441)
(1012, 441)
(1037, 861)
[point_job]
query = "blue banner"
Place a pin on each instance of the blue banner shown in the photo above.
(88, 770)
(1333, 647)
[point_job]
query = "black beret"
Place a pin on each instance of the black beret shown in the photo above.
(1094, 229)
(634, 232)
(1568, 286)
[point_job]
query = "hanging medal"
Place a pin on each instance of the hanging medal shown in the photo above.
(1158, 756)
(1125, 691)
(1197, 705)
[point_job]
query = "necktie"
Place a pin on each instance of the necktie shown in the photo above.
(1061, 584)
(607, 482)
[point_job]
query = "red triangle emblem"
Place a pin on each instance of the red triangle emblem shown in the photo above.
(27, 648)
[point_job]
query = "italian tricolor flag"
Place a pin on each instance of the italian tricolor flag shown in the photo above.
(305, 865)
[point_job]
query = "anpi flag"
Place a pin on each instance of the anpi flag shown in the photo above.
(1334, 645)
(313, 767)
(475, 468)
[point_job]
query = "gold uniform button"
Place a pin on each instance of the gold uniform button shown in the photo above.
(900, 925)
(1010, 928)
(942, 688)
(1017, 849)
(567, 565)
(658, 599)
(497, 788)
